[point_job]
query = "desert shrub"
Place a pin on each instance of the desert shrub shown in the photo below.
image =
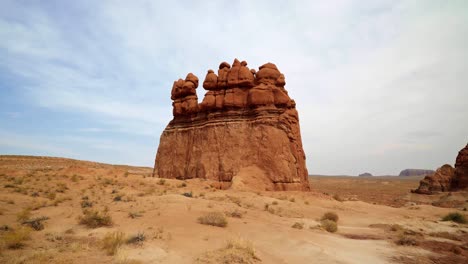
(112, 241)
(182, 185)
(136, 239)
(406, 241)
(9, 186)
(95, 219)
(298, 225)
(24, 215)
(214, 219)
(244, 245)
(329, 225)
(455, 217)
(235, 213)
(188, 194)
(292, 200)
(14, 239)
(274, 203)
(35, 223)
(330, 216)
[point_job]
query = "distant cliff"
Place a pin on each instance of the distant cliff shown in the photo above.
(416, 172)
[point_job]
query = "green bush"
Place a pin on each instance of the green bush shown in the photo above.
(455, 217)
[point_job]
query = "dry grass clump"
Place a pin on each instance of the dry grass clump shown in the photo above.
(95, 219)
(24, 215)
(329, 225)
(330, 216)
(455, 217)
(14, 239)
(329, 222)
(112, 242)
(214, 219)
(235, 251)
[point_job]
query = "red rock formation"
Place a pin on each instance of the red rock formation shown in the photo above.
(245, 132)
(460, 180)
(447, 178)
(440, 181)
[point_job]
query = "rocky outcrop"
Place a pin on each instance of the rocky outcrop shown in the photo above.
(460, 179)
(440, 181)
(416, 172)
(447, 178)
(245, 132)
(365, 174)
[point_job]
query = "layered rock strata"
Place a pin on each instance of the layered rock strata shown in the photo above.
(244, 133)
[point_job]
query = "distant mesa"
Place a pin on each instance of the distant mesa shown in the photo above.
(365, 174)
(447, 178)
(243, 134)
(416, 172)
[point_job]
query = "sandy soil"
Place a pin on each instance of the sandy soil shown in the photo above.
(375, 215)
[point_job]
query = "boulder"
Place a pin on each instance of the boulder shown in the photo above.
(440, 181)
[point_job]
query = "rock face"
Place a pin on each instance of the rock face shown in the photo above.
(416, 172)
(365, 174)
(440, 181)
(245, 132)
(460, 179)
(447, 178)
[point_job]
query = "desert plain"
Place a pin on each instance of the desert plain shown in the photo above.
(57, 210)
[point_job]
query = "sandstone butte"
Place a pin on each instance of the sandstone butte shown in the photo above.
(243, 135)
(447, 178)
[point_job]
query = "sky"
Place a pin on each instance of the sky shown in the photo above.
(380, 86)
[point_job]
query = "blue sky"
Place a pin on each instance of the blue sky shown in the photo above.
(380, 85)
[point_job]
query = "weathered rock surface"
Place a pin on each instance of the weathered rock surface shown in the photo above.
(460, 179)
(365, 174)
(447, 178)
(416, 172)
(245, 132)
(440, 181)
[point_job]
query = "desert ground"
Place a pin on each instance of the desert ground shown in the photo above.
(56, 210)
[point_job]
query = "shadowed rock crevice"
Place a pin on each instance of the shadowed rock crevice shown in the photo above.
(245, 120)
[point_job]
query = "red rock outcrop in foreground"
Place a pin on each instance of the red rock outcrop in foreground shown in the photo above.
(460, 179)
(244, 134)
(447, 178)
